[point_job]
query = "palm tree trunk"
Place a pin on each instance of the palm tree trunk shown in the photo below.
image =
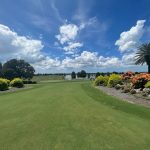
(148, 68)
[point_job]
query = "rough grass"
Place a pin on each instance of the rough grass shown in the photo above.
(71, 116)
(47, 77)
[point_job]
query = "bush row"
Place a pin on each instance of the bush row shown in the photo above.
(127, 82)
(4, 83)
(110, 81)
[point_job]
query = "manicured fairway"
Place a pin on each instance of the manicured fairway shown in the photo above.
(71, 116)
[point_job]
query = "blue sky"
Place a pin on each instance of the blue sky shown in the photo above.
(62, 36)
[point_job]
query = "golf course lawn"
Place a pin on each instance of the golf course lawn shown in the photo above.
(71, 116)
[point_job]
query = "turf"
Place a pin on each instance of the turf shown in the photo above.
(71, 116)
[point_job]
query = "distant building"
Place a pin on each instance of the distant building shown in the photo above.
(68, 77)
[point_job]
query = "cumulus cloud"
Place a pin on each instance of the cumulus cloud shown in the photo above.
(13, 45)
(128, 59)
(68, 32)
(67, 35)
(90, 59)
(129, 39)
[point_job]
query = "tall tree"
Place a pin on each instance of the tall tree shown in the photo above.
(73, 75)
(143, 55)
(17, 68)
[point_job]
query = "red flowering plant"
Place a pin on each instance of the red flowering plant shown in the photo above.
(127, 76)
(140, 80)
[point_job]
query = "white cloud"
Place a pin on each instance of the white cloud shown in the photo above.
(90, 59)
(72, 46)
(13, 45)
(130, 39)
(67, 38)
(68, 32)
(128, 59)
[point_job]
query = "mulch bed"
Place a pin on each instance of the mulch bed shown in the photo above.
(12, 89)
(125, 96)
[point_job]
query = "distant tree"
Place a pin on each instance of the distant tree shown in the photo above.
(143, 55)
(73, 75)
(1, 69)
(83, 74)
(79, 74)
(98, 74)
(17, 68)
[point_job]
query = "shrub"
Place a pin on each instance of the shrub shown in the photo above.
(29, 82)
(127, 76)
(114, 79)
(147, 85)
(105, 80)
(101, 80)
(17, 82)
(3, 84)
(8, 81)
(140, 80)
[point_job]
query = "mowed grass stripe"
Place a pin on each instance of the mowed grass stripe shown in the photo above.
(71, 116)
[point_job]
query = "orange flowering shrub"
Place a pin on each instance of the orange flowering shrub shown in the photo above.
(140, 80)
(127, 75)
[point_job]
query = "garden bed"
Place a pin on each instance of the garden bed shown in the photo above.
(126, 96)
(13, 89)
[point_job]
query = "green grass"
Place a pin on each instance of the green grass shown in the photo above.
(71, 116)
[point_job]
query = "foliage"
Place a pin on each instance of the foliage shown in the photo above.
(17, 82)
(98, 74)
(17, 68)
(143, 55)
(114, 79)
(3, 84)
(73, 75)
(81, 74)
(101, 80)
(29, 82)
(127, 76)
(147, 85)
(140, 80)
(1, 69)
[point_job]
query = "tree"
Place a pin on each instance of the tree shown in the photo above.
(0, 69)
(17, 68)
(97, 74)
(79, 74)
(73, 75)
(143, 55)
(82, 74)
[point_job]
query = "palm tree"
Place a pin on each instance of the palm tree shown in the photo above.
(143, 55)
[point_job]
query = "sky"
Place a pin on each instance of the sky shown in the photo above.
(58, 36)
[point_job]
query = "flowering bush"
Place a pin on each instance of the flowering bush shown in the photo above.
(101, 80)
(140, 80)
(114, 79)
(127, 76)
